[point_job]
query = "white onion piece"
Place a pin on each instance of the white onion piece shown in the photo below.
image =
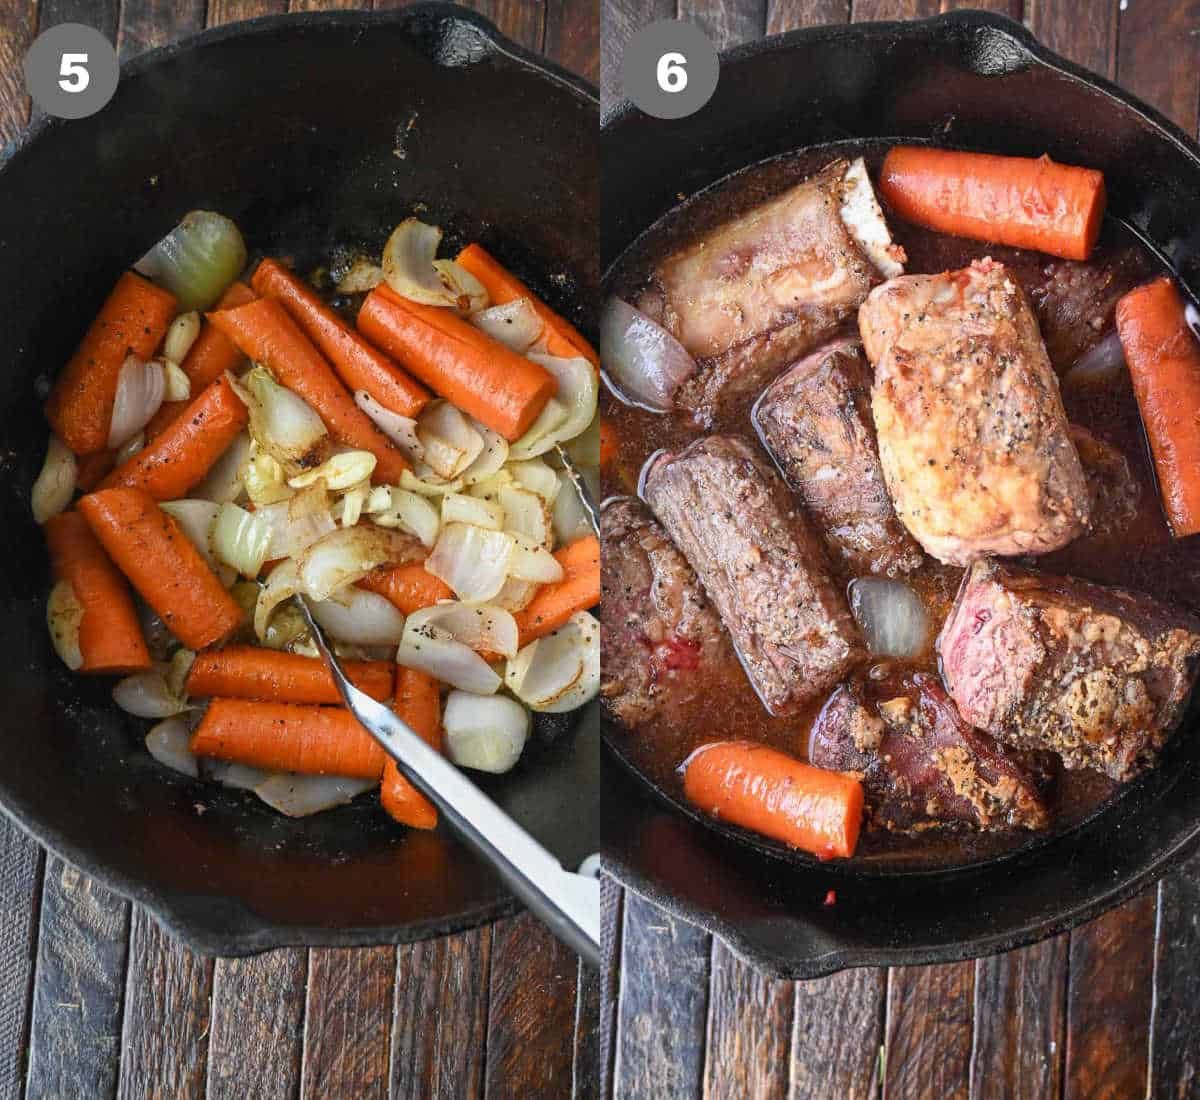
(146, 695)
(289, 536)
(282, 584)
(891, 615)
(493, 456)
(134, 444)
(177, 670)
(489, 487)
(578, 392)
(643, 362)
(410, 270)
(349, 554)
(552, 417)
(224, 481)
(197, 260)
(196, 519)
(537, 477)
(533, 562)
(515, 595)
(428, 488)
(182, 334)
(301, 795)
(569, 518)
(561, 671)
(515, 324)
(359, 617)
(64, 616)
(287, 629)
(1098, 364)
(140, 389)
(265, 479)
(470, 295)
(55, 484)
(177, 386)
(432, 651)
(485, 629)
(450, 443)
(410, 512)
(240, 777)
(241, 539)
(352, 505)
(460, 508)
(525, 513)
(168, 744)
(471, 560)
(401, 430)
(281, 422)
(339, 472)
(485, 733)
(363, 275)
(863, 218)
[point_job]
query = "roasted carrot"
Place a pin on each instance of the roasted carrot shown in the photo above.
(163, 419)
(1025, 202)
(1164, 364)
(503, 286)
(359, 365)
(177, 459)
(288, 737)
(765, 790)
(93, 469)
(149, 548)
(480, 375)
(110, 636)
(133, 320)
(409, 587)
(555, 603)
(251, 672)
(419, 704)
(608, 443)
(214, 353)
(265, 332)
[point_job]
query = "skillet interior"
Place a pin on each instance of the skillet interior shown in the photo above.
(969, 80)
(312, 132)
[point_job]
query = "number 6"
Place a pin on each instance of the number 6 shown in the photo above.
(75, 76)
(672, 77)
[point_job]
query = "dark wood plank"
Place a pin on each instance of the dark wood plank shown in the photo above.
(663, 1005)
(531, 1012)
(863, 11)
(1108, 1004)
(21, 863)
(256, 1033)
(231, 11)
(1011, 8)
(101, 14)
(585, 1058)
(145, 24)
(521, 20)
(18, 24)
(347, 1023)
(1020, 1023)
(573, 36)
(325, 5)
(790, 15)
(1084, 32)
(75, 1033)
(838, 1035)
(929, 1024)
(1175, 1025)
(749, 1031)
(612, 910)
(727, 22)
(439, 1022)
(168, 994)
(620, 21)
(1158, 56)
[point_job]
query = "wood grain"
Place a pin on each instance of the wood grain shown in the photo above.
(727, 23)
(531, 1012)
(789, 15)
(750, 1021)
(231, 11)
(585, 1058)
(1159, 56)
(612, 910)
(521, 20)
(863, 11)
(930, 1014)
(75, 1032)
(145, 24)
(440, 1016)
(570, 37)
(256, 1035)
(1085, 33)
(168, 995)
(838, 1035)
(18, 20)
(347, 1023)
(663, 1005)
(1175, 1021)
(1020, 1023)
(621, 19)
(101, 14)
(20, 882)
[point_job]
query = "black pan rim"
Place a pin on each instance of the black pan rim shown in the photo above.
(170, 909)
(1097, 901)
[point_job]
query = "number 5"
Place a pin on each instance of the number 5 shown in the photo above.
(75, 76)
(672, 77)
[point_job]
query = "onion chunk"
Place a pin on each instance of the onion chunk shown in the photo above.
(891, 615)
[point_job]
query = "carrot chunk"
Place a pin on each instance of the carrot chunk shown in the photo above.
(251, 672)
(555, 603)
(409, 587)
(419, 704)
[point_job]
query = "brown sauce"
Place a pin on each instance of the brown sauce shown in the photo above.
(1142, 556)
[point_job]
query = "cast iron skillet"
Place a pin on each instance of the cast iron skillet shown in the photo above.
(977, 81)
(312, 132)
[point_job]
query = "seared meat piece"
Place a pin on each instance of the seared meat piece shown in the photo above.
(816, 422)
(1075, 302)
(762, 566)
(662, 640)
(972, 433)
(1113, 491)
(921, 764)
(1099, 675)
(764, 289)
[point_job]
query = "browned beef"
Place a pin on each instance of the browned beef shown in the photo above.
(762, 565)
(972, 434)
(921, 764)
(662, 641)
(816, 421)
(1099, 675)
(1113, 491)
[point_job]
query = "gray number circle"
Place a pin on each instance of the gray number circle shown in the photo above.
(71, 71)
(670, 69)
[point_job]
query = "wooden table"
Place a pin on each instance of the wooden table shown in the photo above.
(95, 1000)
(1108, 1012)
